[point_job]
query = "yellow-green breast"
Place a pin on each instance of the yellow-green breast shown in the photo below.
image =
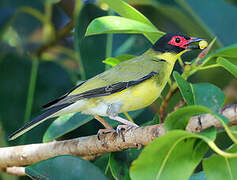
(135, 97)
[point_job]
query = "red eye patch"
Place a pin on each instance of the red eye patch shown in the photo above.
(179, 41)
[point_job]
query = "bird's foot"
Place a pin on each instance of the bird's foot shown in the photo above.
(121, 129)
(103, 132)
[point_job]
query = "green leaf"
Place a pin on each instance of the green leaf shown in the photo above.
(155, 120)
(229, 52)
(118, 168)
(208, 95)
(179, 119)
(85, 46)
(227, 65)
(65, 124)
(113, 61)
(218, 167)
(116, 24)
(119, 163)
(184, 18)
(162, 156)
(102, 162)
(64, 167)
(184, 87)
(48, 86)
(127, 11)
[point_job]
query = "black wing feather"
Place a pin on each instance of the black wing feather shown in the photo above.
(48, 105)
(98, 92)
(111, 89)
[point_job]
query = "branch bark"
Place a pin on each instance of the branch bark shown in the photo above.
(90, 147)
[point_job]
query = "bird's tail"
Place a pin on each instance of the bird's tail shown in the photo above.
(36, 121)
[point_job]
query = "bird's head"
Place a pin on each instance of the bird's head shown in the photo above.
(176, 43)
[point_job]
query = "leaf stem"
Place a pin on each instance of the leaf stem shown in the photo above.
(209, 67)
(77, 42)
(30, 97)
(181, 62)
(213, 146)
(109, 44)
(128, 117)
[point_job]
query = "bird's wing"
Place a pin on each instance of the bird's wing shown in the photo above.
(55, 101)
(118, 78)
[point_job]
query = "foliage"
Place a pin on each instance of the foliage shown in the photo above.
(46, 48)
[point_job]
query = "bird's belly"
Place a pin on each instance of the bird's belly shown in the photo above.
(130, 99)
(135, 97)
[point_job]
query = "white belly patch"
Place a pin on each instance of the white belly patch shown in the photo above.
(75, 107)
(100, 109)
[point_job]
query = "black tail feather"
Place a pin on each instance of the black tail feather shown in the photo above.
(39, 119)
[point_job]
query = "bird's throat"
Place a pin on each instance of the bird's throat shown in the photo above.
(169, 57)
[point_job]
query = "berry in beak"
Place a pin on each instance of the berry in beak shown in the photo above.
(202, 43)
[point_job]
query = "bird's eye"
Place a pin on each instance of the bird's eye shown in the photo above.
(177, 40)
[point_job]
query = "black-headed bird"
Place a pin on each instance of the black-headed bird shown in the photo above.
(130, 85)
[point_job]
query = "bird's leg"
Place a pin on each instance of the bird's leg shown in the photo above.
(108, 128)
(124, 121)
(125, 127)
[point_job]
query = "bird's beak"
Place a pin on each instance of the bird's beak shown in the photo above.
(190, 45)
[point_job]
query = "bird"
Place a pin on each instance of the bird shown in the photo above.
(128, 86)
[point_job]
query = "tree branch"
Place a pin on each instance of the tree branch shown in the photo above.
(90, 147)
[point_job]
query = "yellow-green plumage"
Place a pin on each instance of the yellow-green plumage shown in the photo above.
(130, 85)
(135, 97)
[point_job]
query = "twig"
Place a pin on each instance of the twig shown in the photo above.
(63, 32)
(90, 147)
(162, 111)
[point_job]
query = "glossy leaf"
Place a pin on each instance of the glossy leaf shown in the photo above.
(113, 61)
(184, 87)
(218, 167)
(155, 120)
(65, 124)
(208, 95)
(229, 52)
(127, 11)
(116, 24)
(119, 169)
(84, 46)
(161, 158)
(185, 19)
(102, 162)
(49, 86)
(64, 167)
(179, 119)
(227, 65)
(119, 163)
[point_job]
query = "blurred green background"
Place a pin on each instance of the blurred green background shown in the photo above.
(44, 52)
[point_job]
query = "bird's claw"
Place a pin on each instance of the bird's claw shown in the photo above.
(123, 128)
(119, 131)
(102, 132)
